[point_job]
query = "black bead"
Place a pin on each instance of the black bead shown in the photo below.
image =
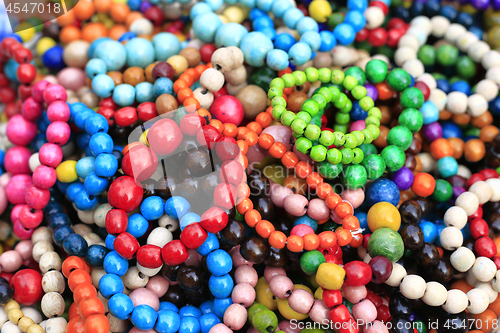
(410, 211)
(254, 250)
(401, 325)
(233, 234)
(174, 295)
(399, 305)
(427, 255)
(443, 271)
(190, 277)
(265, 206)
(276, 257)
(413, 237)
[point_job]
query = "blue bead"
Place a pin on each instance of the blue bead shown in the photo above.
(120, 306)
(152, 208)
(144, 317)
(115, 264)
(443, 85)
(447, 166)
(52, 208)
(328, 41)
(124, 95)
(479, 34)
(110, 239)
(280, 7)
(75, 245)
(58, 219)
(207, 307)
(344, 33)
(262, 22)
(265, 5)
(205, 26)
(363, 221)
(429, 230)
(221, 286)
(82, 140)
(190, 325)
(256, 13)
(102, 84)
(494, 106)
(429, 112)
(188, 219)
(449, 12)
(96, 123)
(140, 52)
(466, 231)
(255, 46)
(306, 24)
(95, 44)
(101, 143)
(360, 5)
(10, 70)
(144, 92)
(461, 86)
(53, 58)
(220, 306)
(357, 113)
(214, 4)
(208, 321)
(269, 33)
(95, 185)
(62, 232)
(176, 207)
(110, 284)
(248, 3)
(81, 118)
(299, 54)
(190, 311)
(382, 190)
(412, 83)
(85, 166)
(73, 189)
(356, 19)
(199, 8)
(163, 85)
(451, 130)
(465, 19)
(113, 53)
(134, 5)
(219, 262)
(307, 221)
(137, 225)
(95, 255)
(105, 165)
(168, 322)
(166, 45)
(313, 39)
(439, 228)
(210, 244)
(292, 16)
(284, 42)
(168, 306)
(230, 34)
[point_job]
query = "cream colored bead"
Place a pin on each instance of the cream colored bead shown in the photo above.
(149, 271)
(455, 217)
(423, 22)
(428, 162)
(456, 301)
(465, 41)
(223, 60)
(212, 79)
(3, 316)
(134, 279)
(484, 269)
(470, 278)
(100, 214)
(495, 283)
(234, 90)
(117, 325)
(159, 237)
(24, 323)
(52, 304)
(488, 89)
(14, 315)
(105, 301)
(457, 102)
(56, 325)
(439, 25)
(32, 313)
(236, 76)
(428, 79)
(82, 229)
(464, 171)
(478, 301)
(482, 191)
(494, 184)
(435, 294)
(414, 67)
(494, 74)
(167, 222)
(361, 63)
(53, 281)
(491, 59)
(49, 261)
(477, 105)
(310, 63)
(413, 286)
(239, 58)
(451, 238)
(86, 217)
(439, 98)
(90, 99)
(374, 17)
(205, 97)
(462, 259)
(397, 275)
(468, 201)
(367, 258)
(96, 274)
(41, 234)
(9, 327)
(34, 162)
(454, 32)
(486, 287)
(404, 54)
(409, 41)
(477, 50)
(35, 329)
(92, 239)
(323, 59)
(40, 248)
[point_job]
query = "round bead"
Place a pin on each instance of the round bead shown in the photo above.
(435, 294)
(413, 287)
(456, 301)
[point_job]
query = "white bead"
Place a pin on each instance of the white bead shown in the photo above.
(439, 25)
(470, 278)
(149, 271)
(34, 162)
(488, 89)
(397, 275)
(167, 222)
(100, 214)
(403, 54)
(223, 60)
(367, 258)
(439, 98)
(422, 22)
(341, 56)
(212, 79)
(495, 283)
(477, 105)
(465, 41)
(435, 294)
(9, 327)
(486, 286)
(451, 238)
(205, 97)
(482, 191)
(53, 281)
(462, 259)
(86, 216)
(468, 201)
(142, 26)
(484, 269)
(49, 261)
(96, 274)
(134, 279)
(491, 59)
(464, 171)
(456, 301)
(40, 248)
(414, 67)
(56, 325)
(239, 58)
(457, 102)
(428, 79)
(494, 74)
(52, 304)
(428, 162)
(159, 236)
(41, 234)
(374, 17)
(455, 217)
(454, 31)
(494, 184)
(477, 50)
(419, 34)
(413, 287)
(81, 229)
(409, 41)
(31, 313)
(92, 239)
(478, 301)
(3, 316)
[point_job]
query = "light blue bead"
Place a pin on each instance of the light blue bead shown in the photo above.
(230, 34)
(95, 185)
(215, 5)
(106, 165)
(85, 166)
(299, 54)
(163, 85)
(284, 42)
(313, 39)
(219, 262)
(124, 95)
(166, 45)
(95, 67)
(176, 207)
(109, 241)
(103, 85)
(429, 112)
(344, 33)
(248, 3)
(207, 307)
(277, 60)
(10, 70)
(190, 311)
(95, 44)
(168, 322)
(210, 244)
(140, 52)
(306, 24)
(256, 13)
(205, 26)
(280, 7)
(113, 53)
(190, 325)
(262, 22)
(115, 264)
(144, 317)
(188, 219)
(356, 19)
(137, 225)
(269, 32)
(292, 16)
(73, 189)
(109, 285)
(208, 321)
(144, 92)
(121, 306)
(328, 41)
(255, 46)
(221, 286)
(152, 208)
(429, 230)
(447, 166)
(199, 8)
(231, 2)
(360, 5)
(307, 221)
(96, 123)
(265, 5)
(101, 143)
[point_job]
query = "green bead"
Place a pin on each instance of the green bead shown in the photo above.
(306, 117)
(375, 130)
(447, 55)
(368, 149)
(337, 76)
(376, 71)
(300, 78)
(350, 82)
(342, 118)
(358, 92)
(320, 99)
(368, 136)
(274, 92)
(278, 111)
(328, 170)
(262, 77)
(287, 118)
(278, 100)
(439, 76)
(427, 55)
(394, 157)
(372, 121)
(386, 242)
(398, 79)
(443, 191)
(357, 73)
(318, 153)
(297, 136)
(311, 107)
(303, 145)
(298, 126)
(330, 225)
(419, 326)
(278, 82)
(326, 138)
(310, 261)
(335, 19)
(289, 80)
(360, 137)
(265, 320)
(473, 131)
(334, 156)
(327, 94)
(347, 155)
(339, 139)
(312, 74)
(400, 136)
(454, 79)
(375, 112)
(335, 93)
(354, 176)
(325, 75)
(350, 141)
(412, 98)
(366, 103)
(254, 309)
(341, 101)
(374, 165)
(466, 68)
(412, 119)
(312, 132)
(347, 108)
(340, 128)
(358, 156)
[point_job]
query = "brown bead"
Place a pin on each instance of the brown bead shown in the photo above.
(254, 250)
(443, 272)
(413, 237)
(133, 76)
(410, 162)
(427, 255)
(166, 103)
(488, 133)
(233, 234)
(190, 277)
(381, 141)
(406, 195)
(174, 295)
(415, 147)
(149, 72)
(427, 205)
(304, 88)
(485, 119)
(117, 77)
(296, 184)
(265, 206)
(276, 257)
(192, 56)
(458, 147)
(254, 100)
(418, 166)
(198, 162)
(295, 100)
(474, 150)
(386, 115)
(461, 119)
(445, 115)
(410, 211)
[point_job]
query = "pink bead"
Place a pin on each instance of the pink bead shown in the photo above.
(243, 294)
(354, 294)
(281, 286)
(194, 259)
(54, 92)
(17, 187)
(319, 311)
(301, 301)
(136, 330)
(301, 230)
(44, 177)
(37, 198)
(17, 160)
(38, 89)
(251, 329)
(10, 261)
(145, 296)
(3, 200)
(21, 231)
(270, 272)
(219, 328)
(21, 131)
(51, 79)
(255, 155)
(238, 260)
(246, 274)
(58, 133)
(158, 285)
(14, 213)
(279, 194)
(235, 317)
(31, 109)
(72, 78)
(365, 311)
(288, 327)
(30, 218)
(355, 197)
(50, 155)
(318, 209)
(376, 327)
(4, 179)
(24, 248)
(358, 125)
(58, 111)
(296, 204)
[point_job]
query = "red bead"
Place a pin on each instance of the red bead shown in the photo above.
(11, 110)
(380, 5)
(6, 42)
(366, 238)
(485, 247)
(23, 56)
(26, 73)
(155, 15)
(13, 48)
(4, 81)
(164, 137)
(108, 113)
(126, 245)
(396, 23)
(332, 298)
(351, 326)
(146, 111)
(174, 253)
(362, 35)
(225, 196)
(27, 285)
(24, 91)
(116, 221)
(206, 52)
(228, 109)
(478, 228)
(6, 276)
(475, 178)
(125, 194)
(227, 149)
(214, 220)
(149, 256)
(340, 314)
(375, 299)
(30, 218)
(140, 162)
(208, 135)
(358, 273)
(108, 102)
(393, 36)
(489, 173)
(221, 92)
(36, 197)
(7, 95)
(330, 258)
(377, 37)
(383, 313)
(231, 172)
(496, 260)
(193, 236)
(126, 116)
(478, 214)
(424, 89)
(191, 124)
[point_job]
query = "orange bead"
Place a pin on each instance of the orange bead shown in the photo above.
(66, 19)
(191, 104)
(343, 209)
(103, 6)
(97, 324)
(384, 91)
(230, 130)
(458, 147)
(251, 138)
(204, 114)
(242, 190)
(495, 306)
(461, 285)
(303, 169)
(73, 311)
(117, 31)
(289, 160)
(75, 325)
(69, 33)
(84, 10)
(183, 94)
(277, 239)
(200, 69)
(295, 243)
(287, 91)
(180, 84)
(91, 306)
(266, 141)
(83, 291)
(323, 190)
(72, 263)
(327, 239)
(441, 148)
(252, 217)
(269, 111)
(277, 150)
(440, 251)
(119, 12)
(311, 242)
(356, 241)
(243, 146)
(244, 206)
(217, 124)
(344, 237)
(78, 276)
(333, 200)
(486, 321)
(241, 133)
(132, 17)
(255, 127)
(350, 222)
(423, 184)
(93, 31)
(314, 180)
(287, 70)
(264, 119)
(296, 184)
(264, 228)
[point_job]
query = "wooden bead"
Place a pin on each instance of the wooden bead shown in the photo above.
(465, 41)
(482, 190)
(212, 79)
(236, 76)
(414, 67)
(490, 59)
(477, 105)
(82, 229)
(100, 214)
(488, 89)
(397, 275)
(14, 315)
(478, 301)
(463, 171)
(439, 98)
(455, 217)
(53, 281)
(9, 327)
(440, 25)
(451, 238)
(223, 60)
(468, 201)
(404, 54)
(428, 162)
(32, 313)
(179, 64)
(254, 100)
(486, 287)
(3, 316)
(12, 304)
(166, 103)
(239, 58)
(477, 51)
(454, 31)
(413, 287)
(35, 329)
(86, 217)
(56, 325)
(105, 301)
(484, 269)
(456, 301)
(159, 237)
(234, 90)
(134, 279)
(50, 261)
(493, 74)
(149, 271)
(457, 102)
(40, 249)
(205, 97)
(167, 222)
(52, 304)
(495, 283)
(470, 278)
(96, 274)
(409, 41)
(92, 238)
(117, 325)
(41, 234)
(192, 56)
(435, 294)
(462, 259)
(24, 323)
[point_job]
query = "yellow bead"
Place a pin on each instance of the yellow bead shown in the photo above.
(301, 286)
(25, 323)
(234, 14)
(320, 10)
(1, 248)
(287, 312)
(66, 172)
(275, 173)
(330, 276)
(3, 118)
(383, 215)
(14, 315)
(12, 304)
(25, 31)
(223, 19)
(318, 294)
(264, 295)
(179, 63)
(35, 329)
(44, 44)
(144, 138)
(312, 281)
